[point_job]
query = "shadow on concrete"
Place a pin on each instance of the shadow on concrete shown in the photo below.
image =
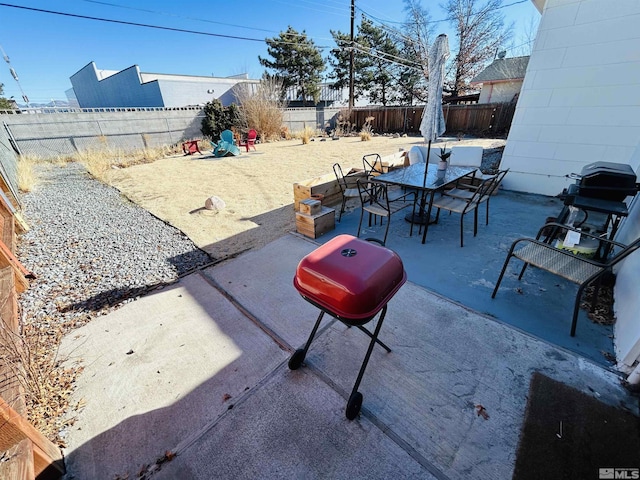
(198, 369)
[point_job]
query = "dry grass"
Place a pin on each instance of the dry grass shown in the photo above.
(32, 359)
(262, 108)
(27, 177)
(306, 134)
(365, 133)
(367, 129)
(100, 162)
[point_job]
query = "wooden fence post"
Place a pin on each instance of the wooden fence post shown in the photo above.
(46, 458)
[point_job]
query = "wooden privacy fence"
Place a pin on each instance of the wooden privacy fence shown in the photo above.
(25, 454)
(486, 119)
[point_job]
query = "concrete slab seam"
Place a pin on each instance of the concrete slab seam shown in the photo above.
(380, 425)
(283, 344)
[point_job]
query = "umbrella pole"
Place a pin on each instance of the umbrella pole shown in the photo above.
(426, 167)
(420, 217)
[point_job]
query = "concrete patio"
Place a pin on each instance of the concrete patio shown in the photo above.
(192, 380)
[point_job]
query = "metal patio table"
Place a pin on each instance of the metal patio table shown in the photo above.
(425, 178)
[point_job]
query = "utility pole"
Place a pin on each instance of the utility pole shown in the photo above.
(14, 75)
(351, 53)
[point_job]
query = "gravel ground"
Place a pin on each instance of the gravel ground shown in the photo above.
(491, 158)
(92, 250)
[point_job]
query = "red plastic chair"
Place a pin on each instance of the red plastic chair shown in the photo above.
(250, 141)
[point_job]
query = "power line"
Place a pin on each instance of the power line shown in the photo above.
(145, 25)
(204, 20)
(178, 16)
(442, 19)
(135, 24)
(297, 4)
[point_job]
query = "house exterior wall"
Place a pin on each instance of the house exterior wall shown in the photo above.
(499, 92)
(580, 103)
(580, 100)
(626, 306)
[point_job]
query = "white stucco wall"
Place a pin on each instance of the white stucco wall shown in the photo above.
(499, 92)
(580, 100)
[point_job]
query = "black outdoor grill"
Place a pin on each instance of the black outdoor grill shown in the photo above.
(604, 181)
(351, 280)
(600, 188)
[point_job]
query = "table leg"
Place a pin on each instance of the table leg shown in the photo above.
(426, 226)
(419, 217)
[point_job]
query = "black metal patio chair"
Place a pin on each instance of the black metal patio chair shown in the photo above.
(574, 267)
(348, 187)
(463, 205)
(465, 190)
(375, 200)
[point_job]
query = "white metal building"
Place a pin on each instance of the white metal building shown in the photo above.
(97, 88)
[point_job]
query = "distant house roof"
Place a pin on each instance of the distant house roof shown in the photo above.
(503, 69)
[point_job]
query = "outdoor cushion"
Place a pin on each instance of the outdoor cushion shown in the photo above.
(415, 155)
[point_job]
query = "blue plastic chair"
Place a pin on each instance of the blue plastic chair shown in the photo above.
(226, 146)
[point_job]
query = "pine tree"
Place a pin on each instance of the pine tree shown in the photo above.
(297, 63)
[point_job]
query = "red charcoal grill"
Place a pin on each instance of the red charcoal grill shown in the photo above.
(351, 280)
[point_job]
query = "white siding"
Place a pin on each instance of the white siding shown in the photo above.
(580, 101)
(627, 301)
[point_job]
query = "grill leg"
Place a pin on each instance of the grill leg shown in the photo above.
(370, 335)
(355, 399)
(298, 356)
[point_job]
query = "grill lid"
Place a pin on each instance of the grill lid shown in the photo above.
(350, 278)
(607, 180)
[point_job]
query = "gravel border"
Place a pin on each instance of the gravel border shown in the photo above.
(92, 250)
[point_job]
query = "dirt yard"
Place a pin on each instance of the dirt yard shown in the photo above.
(257, 187)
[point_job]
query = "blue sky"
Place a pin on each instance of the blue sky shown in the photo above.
(45, 49)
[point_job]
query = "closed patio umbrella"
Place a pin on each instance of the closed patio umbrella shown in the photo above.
(433, 124)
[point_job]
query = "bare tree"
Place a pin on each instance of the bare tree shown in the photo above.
(524, 43)
(480, 32)
(414, 44)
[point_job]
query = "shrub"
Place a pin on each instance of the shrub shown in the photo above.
(32, 360)
(343, 123)
(365, 133)
(219, 118)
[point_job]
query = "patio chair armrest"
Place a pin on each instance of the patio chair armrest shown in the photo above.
(560, 251)
(574, 229)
